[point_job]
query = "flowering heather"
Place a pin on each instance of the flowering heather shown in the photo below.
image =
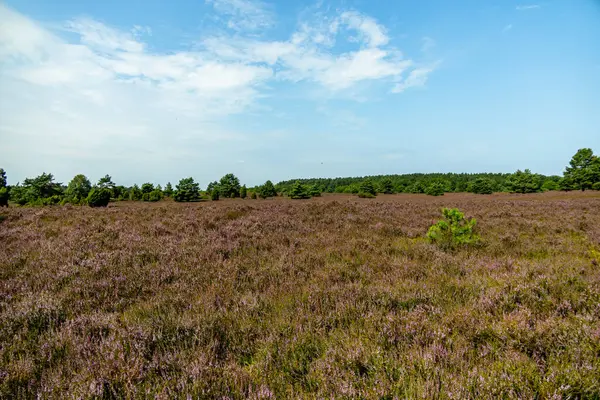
(334, 297)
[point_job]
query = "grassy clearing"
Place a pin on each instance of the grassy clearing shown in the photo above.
(330, 297)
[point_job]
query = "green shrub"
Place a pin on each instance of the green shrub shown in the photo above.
(367, 187)
(155, 195)
(453, 231)
(386, 186)
(524, 182)
(314, 191)
(267, 190)
(147, 188)
(243, 192)
(596, 186)
(187, 190)
(168, 190)
(550, 185)
(299, 191)
(214, 195)
(229, 186)
(135, 193)
(3, 197)
(364, 195)
(482, 186)
(98, 197)
(435, 189)
(52, 200)
(253, 195)
(79, 188)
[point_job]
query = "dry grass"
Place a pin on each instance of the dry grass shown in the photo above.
(335, 297)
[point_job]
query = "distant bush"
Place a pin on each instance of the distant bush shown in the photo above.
(98, 197)
(253, 195)
(168, 190)
(524, 182)
(135, 193)
(596, 186)
(155, 195)
(187, 190)
(364, 195)
(147, 188)
(314, 191)
(243, 192)
(229, 186)
(482, 186)
(3, 189)
(3, 197)
(52, 200)
(214, 195)
(583, 171)
(78, 189)
(367, 187)
(386, 186)
(267, 190)
(453, 231)
(550, 185)
(435, 189)
(299, 191)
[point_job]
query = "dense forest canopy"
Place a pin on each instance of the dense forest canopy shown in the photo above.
(582, 173)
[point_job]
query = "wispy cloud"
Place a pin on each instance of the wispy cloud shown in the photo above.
(416, 78)
(427, 44)
(507, 28)
(528, 7)
(244, 15)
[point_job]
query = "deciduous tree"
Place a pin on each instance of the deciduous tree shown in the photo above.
(78, 189)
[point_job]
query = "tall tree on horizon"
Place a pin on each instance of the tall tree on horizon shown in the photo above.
(583, 170)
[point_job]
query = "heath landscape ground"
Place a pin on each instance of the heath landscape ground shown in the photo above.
(332, 297)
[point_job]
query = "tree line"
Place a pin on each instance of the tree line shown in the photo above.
(582, 173)
(44, 190)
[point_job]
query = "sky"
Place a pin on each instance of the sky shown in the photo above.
(154, 91)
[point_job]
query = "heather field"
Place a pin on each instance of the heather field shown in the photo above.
(333, 297)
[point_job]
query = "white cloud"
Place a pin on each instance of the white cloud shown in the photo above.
(507, 28)
(308, 54)
(107, 94)
(528, 7)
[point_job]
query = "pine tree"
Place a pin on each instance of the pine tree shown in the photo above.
(267, 190)
(187, 190)
(299, 191)
(229, 186)
(367, 187)
(168, 190)
(524, 182)
(583, 170)
(386, 186)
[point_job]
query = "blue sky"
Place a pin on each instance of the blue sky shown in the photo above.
(156, 91)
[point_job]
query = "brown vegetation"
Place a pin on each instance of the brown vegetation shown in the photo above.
(330, 297)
